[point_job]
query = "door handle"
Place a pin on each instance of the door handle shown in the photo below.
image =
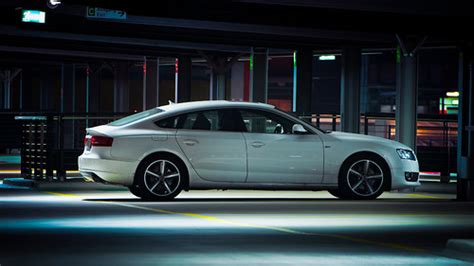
(190, 142)
(257, 144)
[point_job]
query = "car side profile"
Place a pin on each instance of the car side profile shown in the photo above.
(237, 145)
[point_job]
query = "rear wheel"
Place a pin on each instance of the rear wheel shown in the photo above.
(160, 178)
(363, 177)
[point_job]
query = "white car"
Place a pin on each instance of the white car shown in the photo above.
(237, 145)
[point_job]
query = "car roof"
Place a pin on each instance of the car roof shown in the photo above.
(196, 105)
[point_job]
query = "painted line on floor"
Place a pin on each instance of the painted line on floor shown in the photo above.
(421, 196)
(240, 224)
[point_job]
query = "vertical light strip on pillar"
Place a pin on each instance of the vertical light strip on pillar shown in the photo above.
(144, 84)
(251, 76)
(176, 69)
(87, 95)
(157, 81)
(61, 98)
(294, 82)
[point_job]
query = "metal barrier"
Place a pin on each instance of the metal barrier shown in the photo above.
(51, 143)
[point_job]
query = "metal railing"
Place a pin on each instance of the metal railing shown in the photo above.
(51, 143)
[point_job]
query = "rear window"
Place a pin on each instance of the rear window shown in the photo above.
(135, 117)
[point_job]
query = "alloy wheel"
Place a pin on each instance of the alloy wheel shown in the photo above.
(365, 178)
(162, 178)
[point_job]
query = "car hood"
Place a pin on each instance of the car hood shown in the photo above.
(366, 138)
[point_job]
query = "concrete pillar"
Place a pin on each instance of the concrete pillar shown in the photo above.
(259, 75)
(304, 81)
(94, 88)
(237, 82)
(350, 89)
(184, 79)
(152, 83)
(121, 87)
(218, 85)
(406, 99)
(407, 88)
(465, 167)
(220, 65)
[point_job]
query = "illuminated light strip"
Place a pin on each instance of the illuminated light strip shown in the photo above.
(273, 228)
(294, 82)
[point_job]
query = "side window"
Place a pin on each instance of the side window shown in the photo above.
(170, 122)
(213, 120)
(206, 120)
(257, 121)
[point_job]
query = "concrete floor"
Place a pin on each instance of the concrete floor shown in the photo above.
(109, 226)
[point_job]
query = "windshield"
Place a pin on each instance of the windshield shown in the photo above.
(135, 117)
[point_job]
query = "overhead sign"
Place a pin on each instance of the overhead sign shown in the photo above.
(102, 13)
(33, 16)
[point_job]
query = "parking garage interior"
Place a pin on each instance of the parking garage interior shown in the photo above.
(398, 70)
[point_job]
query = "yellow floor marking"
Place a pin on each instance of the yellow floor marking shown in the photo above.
(425, 196)
(239, 224)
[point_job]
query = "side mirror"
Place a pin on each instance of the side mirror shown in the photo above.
(298, 129)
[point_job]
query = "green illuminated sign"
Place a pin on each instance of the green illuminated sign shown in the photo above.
(327, 57)
(33, 16)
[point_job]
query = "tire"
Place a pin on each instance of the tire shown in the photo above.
(135, 190)
(160, 183)
(363, 177)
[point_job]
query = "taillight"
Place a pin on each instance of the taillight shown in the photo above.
(101, 141)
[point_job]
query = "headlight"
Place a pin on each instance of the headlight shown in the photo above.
(406, 154)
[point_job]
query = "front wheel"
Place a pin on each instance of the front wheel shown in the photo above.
(363, 177)
(160, 178)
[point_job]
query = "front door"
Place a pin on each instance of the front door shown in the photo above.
(275, 155)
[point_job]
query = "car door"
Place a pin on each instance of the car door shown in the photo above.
(275, 155)
(215, 153)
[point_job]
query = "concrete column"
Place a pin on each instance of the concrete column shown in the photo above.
(152, 81)
(259, 76)
(304, 81)
(218, 82)
(237, 82)
(121, 87)
(350, 89)
(406, 99)
(184, 79)
(465, 167)
(94, 88)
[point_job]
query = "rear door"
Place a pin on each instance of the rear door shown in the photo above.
(215, 153)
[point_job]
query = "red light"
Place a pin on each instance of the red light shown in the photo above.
(101, 141)
(144, 68)
(176, 66)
